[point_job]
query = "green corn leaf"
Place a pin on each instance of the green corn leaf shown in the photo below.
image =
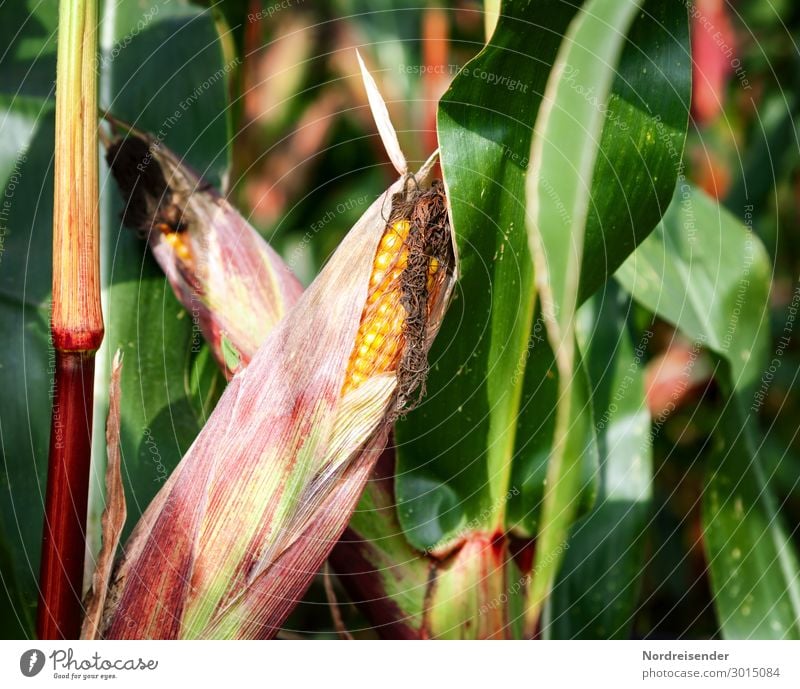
(488, 418)
(26, 369)
(596, 593)
(708, 274)
(454, 455)
(565, 150)
(642, 141)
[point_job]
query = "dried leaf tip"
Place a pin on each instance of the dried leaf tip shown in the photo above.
(382, 120)
(113, 519)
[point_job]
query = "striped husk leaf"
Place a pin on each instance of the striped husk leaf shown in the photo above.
(253, 509)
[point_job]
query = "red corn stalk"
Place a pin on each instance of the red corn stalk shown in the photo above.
(77, 321)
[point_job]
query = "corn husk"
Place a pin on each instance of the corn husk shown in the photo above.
(403, 593)
(470, 592)
(115, 512)
(233, 284)
(253, 509)
(387, 574)
(382, 573)
(323, 523)
(469, 595)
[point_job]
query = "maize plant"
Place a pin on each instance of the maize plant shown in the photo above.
(473, 344)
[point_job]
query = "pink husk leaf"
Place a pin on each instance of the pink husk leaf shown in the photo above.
(113, 519)
(227, 546)
(234, 284)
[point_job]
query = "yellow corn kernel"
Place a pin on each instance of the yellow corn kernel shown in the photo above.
(429, 283)
(175, 240)
(380, 335)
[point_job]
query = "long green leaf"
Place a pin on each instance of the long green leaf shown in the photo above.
(488, 420)
(27, 72)
(597, 590)
(25, 371)
(454, 455)
(754, 566)
(706, 272)
(565, 150)
(640, 155)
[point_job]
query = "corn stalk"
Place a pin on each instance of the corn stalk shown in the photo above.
(77, 321)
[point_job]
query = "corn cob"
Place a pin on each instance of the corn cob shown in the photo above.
(235, 286)
(258, 501)
(405, 274)
(380, 339)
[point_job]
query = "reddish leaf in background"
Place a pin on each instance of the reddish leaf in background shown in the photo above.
(713, 50)
(675, 376)
(710, 171)
(436, 49)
